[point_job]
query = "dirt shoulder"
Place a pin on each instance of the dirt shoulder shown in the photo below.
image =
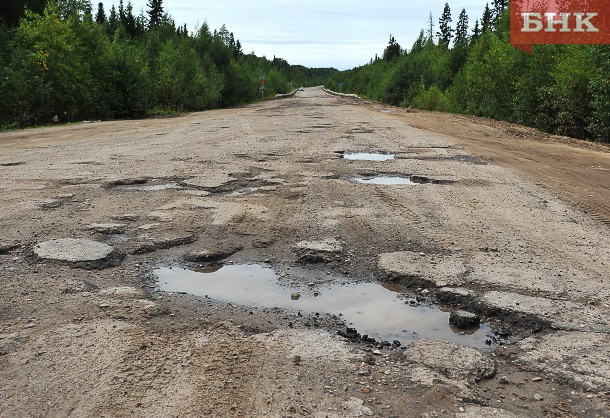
(495, 219)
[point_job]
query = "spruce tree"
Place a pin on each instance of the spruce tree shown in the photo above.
(487, 19)
(445, 32)
(461, 30)
(155, 13)
(100, 17)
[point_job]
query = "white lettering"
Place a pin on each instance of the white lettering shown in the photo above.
(582, 21)
(530, 24)
(551, 22)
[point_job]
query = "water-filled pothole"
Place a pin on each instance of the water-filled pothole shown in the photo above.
(397, 180)
(148, 187)
(365, 156)
(383, 180)
(376, 311)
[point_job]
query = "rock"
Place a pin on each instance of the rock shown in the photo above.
(463, 319)
(538, 397)
(79, 253)
(452, 360)
(211, 254)
(318, 251)
(295, 296)
(537, 379)
(162, 243)
(107, 228)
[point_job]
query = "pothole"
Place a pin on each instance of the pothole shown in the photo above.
(365, 156)
(396, 180)
(373, 310)
(148, 187)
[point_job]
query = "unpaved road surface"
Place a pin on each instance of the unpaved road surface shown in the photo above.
(502, 221)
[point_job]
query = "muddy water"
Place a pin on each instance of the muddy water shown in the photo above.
(371, 308)
(363, 156)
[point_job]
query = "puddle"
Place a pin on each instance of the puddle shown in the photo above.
(363, 156)
(384, 180)
(398, 180)
(374, 310)
(148, 187)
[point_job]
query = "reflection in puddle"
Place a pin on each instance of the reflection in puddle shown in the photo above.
(363, 156)
(149, 187)
(370, 308)
(385, 180)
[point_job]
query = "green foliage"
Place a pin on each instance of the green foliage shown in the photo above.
(560, 89)
(65, 63)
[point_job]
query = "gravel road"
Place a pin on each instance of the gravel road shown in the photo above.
(494, 219)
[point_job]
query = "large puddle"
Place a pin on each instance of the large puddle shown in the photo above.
(372, 309)
(363, 156)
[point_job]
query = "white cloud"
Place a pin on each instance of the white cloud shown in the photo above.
(341, 34)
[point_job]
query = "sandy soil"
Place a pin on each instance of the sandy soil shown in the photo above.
(511, 224)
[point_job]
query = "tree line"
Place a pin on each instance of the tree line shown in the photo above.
(473, 69)
(63, 58)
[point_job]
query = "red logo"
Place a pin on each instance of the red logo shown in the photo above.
(534, 22)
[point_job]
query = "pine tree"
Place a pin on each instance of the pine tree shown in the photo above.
(100, 17)
(155, 13)
(445, 32)
(461, 30)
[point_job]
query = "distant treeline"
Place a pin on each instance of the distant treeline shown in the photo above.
(62, 58)
(560, 89)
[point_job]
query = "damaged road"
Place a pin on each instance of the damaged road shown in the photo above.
(494, 222)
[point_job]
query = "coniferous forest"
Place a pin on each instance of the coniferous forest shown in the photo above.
(77, 61)
(457, 66)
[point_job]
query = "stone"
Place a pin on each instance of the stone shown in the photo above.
(318, 251)
(211, 254)
(80, 253)
(463, 319)
(538, 397)
(295, 296)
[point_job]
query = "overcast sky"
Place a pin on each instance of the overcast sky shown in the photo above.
(341, 33)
